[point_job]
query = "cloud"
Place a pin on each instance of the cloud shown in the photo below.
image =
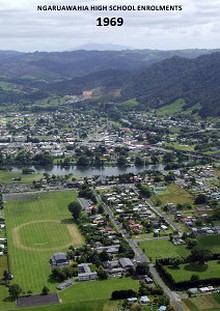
(22, 27)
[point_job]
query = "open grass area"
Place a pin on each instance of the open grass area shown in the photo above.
(7, 177)
(91, 296)
(210, 242)
(211, 269)
(204, 303)
(180, 146)
(171, 109)
(173, 194)
(176, 108)
(6, 303)
(163, 249)
(36, 228)
(97, 290)
(128, 103)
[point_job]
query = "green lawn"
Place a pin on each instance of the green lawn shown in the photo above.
(45, 235)
(204, 303)
(36, 228)
(185, 271)
(173, 194)
(163, 249)
(6, 303)
(91, 296)
(210, 242)
(180, 146)
(7, 177)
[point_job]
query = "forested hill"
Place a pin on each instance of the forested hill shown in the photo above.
(195, 80)
(27, 78)
(54, 66)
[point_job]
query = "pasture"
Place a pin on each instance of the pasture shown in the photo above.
(211, 269)
(163, 249)
(37, 227)
(8, 177)
(204, 303)
(173, 194)
(210, 242)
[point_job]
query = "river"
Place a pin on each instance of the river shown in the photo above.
(104, 171)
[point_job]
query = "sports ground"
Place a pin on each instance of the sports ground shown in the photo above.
(37, 227)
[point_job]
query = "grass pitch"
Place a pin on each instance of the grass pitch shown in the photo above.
(37, 228)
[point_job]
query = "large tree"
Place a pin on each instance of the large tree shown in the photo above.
(14, 290)
(200, 255)
(75, 208)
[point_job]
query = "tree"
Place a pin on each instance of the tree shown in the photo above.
(104, 256)
(45, 290)
(75, 208)
(169, 177)
(177, 261)
(201, 199)
(58, 274)
(191, 243)
(139, 161)
(122, 161)
(102, 274)
(14, 290)
(142, 268)
(144, 190)
(83, 161)
(200, 255)
(194, 278)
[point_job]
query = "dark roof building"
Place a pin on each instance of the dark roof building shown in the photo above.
(126, 263)
(59, 259)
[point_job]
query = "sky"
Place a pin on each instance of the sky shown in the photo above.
(24, 28)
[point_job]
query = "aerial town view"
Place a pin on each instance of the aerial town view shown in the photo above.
(109, 158)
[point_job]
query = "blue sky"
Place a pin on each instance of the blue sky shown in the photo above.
(23, 28)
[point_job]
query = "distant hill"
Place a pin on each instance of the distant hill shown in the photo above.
(56, 66)
(103, 47)
(154, 78)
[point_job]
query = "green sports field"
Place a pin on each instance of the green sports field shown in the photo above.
(38, 227)
(85, 296)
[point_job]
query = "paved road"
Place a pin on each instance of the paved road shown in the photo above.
(161, 214)
(172, 295)
(140, 256)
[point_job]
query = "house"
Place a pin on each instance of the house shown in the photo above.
(148, 280)
(193, 291)
(145, 300)
(85, 274)
(162, 308)
(59, 259)
(132, 299)
(126, 263)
